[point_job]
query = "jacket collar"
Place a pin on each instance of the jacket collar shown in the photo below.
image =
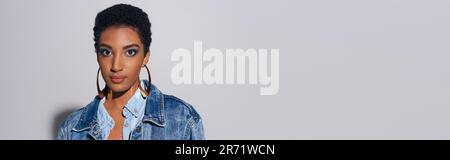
(154, 112)
(154, 107)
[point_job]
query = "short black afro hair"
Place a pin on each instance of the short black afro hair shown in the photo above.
(124, 14)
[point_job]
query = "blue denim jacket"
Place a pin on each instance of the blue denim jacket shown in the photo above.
(166, 117)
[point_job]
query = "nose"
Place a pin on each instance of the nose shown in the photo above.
(116, 64)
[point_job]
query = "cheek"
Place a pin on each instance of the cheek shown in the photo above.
(104, 65)
(134, 68)
(134, 71)
(105, 68)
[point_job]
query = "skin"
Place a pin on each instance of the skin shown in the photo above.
(120, 56)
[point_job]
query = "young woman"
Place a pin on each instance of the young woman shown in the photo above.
(129, 108)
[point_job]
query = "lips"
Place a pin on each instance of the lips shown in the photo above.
(117, 78)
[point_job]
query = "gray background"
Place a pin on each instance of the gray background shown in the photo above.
(349, 69)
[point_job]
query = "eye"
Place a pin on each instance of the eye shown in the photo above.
(131, 52)
(105, 52)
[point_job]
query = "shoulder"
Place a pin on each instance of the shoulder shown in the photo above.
(76, 116)
(66, 126)
(72, 118)
(180, 113)
(177, 106)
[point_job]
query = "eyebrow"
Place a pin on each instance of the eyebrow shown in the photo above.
(125, 47)
(131, 45)
(105, 45)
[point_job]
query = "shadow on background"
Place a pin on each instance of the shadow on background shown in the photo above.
(60, 117)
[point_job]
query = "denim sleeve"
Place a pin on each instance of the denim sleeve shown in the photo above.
(62, 132)
(196, 130)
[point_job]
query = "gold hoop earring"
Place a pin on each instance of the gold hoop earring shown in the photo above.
(101, 93)
(146, 92)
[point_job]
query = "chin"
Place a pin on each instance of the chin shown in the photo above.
(118, 88)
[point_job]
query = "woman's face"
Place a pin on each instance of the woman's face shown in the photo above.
(121, 56)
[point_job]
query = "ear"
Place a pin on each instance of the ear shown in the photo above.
(146, 58)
